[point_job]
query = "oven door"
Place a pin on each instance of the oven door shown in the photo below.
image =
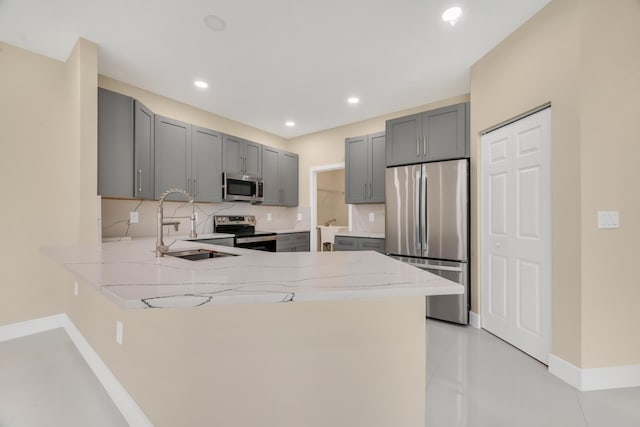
(258, 243)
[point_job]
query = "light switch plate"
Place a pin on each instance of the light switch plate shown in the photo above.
(372, 216)
(119, 332)
(134, 217)
(268, 217)
(299, 217)
(608, 219)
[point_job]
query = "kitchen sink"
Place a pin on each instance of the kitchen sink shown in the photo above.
(199, 254)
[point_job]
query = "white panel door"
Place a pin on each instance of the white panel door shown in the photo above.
(516, 234)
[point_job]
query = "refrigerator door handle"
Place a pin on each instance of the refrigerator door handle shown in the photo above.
(418, 221)
(434, 267)
(424, 217)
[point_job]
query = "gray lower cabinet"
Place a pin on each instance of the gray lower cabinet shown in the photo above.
(187, 157)
(125, 147)
(354, 243)
(439, 134)
(242, 156)
(222, 241)
(365, 169)
(293, 242)
(280, 174)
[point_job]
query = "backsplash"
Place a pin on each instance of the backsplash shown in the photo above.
(115, 217)
(360, 218)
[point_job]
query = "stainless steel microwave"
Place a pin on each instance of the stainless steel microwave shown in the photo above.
(246, 188)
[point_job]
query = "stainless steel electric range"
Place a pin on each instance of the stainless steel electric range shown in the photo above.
(243, 227)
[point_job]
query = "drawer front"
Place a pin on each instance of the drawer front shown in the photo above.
(368, 244)
(342, 243)
(293, 242)
(224, 241)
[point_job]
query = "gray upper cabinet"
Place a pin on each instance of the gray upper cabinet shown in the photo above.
(242, 156)
(115, 144)
(365, 169)
(173, 156)
(206, 164)
(438, 134)
(144, 144)
(125, 147)
(188, 157)
(280, 174)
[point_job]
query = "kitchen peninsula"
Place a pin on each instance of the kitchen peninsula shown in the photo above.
(260, 339)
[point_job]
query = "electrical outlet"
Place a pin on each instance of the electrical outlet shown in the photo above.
(268, 217)
(299, 217)
(134, 217)
(119, 331)
(75, 288)
(372, 216)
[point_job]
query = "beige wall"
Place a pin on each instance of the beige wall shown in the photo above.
(179, 111)
(609, 155)
(49, 194)
(583, 58)
(327, 147)
(331, 203)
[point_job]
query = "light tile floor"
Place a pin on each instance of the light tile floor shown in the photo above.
(475, 379)
(44, 381)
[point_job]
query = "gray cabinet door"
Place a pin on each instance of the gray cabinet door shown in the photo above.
(356, 169)
(369, 244)
(446, 133)
(144, 151)
(404, 140)
(288, 178)
(252, 159)
(345, 243)
(271, 176)
(115, 144)
(173, 156)
(233, 152)
(206, 165)
(377, 150)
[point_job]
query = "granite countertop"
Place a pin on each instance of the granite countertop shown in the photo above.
(361, 234)
(129, 273)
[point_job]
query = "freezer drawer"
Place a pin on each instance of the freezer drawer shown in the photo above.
(452, 308)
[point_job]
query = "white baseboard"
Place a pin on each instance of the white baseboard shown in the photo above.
(474, 320)
(121, 398)
(595, 378)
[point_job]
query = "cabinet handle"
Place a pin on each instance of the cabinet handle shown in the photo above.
(189, 185)
(195, 187)
(417, 147)
(365, 191)
(139, 179)
(424, 145)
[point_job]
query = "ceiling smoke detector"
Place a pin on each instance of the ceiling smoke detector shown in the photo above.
(215, 23)
(452, 15)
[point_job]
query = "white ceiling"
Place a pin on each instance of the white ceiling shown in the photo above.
(277, 60)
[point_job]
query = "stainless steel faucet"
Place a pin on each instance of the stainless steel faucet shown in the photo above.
(161, 249)
(328, 223)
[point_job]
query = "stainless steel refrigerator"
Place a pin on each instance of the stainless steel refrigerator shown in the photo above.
(427, 226)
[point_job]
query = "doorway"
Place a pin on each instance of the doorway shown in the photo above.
(327, 200)
(516, 233)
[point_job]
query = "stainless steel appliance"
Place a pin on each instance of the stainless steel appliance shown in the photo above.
(238, 187)
(427, 226)
(243, 227)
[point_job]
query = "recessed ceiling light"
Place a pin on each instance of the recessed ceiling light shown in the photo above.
(215, 23)
(290, 124)
(201, 84)
(353, 100)
(451, 15)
